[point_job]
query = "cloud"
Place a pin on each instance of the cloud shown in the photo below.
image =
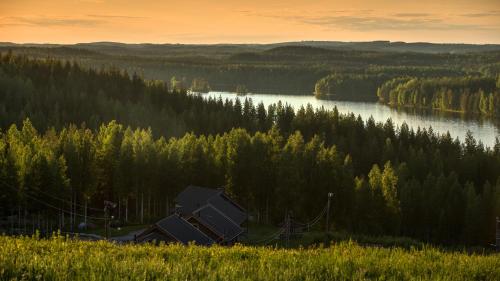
(45, 21)
(219, 38)
(411, 15)
(87, 21)
(115, 17)
(92, 1)
(368, 22)
(482, 15)
(91, 20)
(358, 23)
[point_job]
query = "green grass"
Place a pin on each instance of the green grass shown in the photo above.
(315, 237)
(26, 258)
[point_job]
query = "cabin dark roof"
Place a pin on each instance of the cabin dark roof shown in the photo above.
(194, 197)
(218, 221)
(228, 208)
(183, 231)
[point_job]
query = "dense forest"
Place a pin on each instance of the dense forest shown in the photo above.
(463, 94)
(330, 70)
(363, 86)
(74, 136)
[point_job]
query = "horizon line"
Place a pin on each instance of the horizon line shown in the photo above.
(243, 43)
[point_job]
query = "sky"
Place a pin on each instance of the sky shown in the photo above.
(257, 21)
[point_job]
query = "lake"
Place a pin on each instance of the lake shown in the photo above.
(484, 130)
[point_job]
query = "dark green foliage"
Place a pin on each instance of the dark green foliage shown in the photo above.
(386, 180)
(463, 94)
(200, 85)
(355, 87)
(286, 68)
(364, 85)
(266, 172)
(52, 93)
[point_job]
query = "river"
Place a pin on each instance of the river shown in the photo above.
(483, 130)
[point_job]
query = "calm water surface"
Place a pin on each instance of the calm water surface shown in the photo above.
(484, 130)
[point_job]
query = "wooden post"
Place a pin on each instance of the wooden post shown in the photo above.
(12, 218)
(71, 214)
(136, 204)
(267, 209)
(75, 211)
(287, 228)
(126, 209)
(86, 199)
(119, 208)
(24, 220)
(142, 207)
(149, 205)
(106, 222)
(330, 195)
(107, 206)
(497, 242)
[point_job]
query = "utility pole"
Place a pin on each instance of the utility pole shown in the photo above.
(107, 206)
(330, 195)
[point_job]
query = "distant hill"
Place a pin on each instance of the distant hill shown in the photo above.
(228, 49)
(419, 47)
(288, 67)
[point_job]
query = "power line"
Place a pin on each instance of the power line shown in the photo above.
(69, 202)
(62, 210)
(52, 206)
(317, 219)
(280, 231)
(270, 237)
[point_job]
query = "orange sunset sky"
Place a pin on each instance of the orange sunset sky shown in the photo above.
(257, 21)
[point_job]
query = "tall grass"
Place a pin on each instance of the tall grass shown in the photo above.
(59, 258)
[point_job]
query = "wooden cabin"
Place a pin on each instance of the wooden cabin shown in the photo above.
(203, 215)
(174, 229)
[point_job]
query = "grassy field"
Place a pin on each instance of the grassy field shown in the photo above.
(259, 232)
(25, 258)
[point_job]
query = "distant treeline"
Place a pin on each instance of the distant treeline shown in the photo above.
(439, 89)
(285, 69)
(463, 94)
(55, 93)
(363, 87)
(351, 87)
(386, 180)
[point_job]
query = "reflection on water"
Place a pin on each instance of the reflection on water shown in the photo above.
(483, 130)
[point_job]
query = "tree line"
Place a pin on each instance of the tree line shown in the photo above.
(56, 93)
(363, 85)
(279, 70)
(386, 180)
(267, 172)
(463, 94)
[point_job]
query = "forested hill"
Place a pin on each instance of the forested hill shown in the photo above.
(164, 49)
(479, 95)
(55, 93)
(286, 68)
(386, 180)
